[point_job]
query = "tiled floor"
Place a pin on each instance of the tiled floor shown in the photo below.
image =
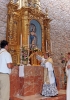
(61, 96)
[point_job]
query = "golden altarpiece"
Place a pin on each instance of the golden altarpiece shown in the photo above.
(22, 16)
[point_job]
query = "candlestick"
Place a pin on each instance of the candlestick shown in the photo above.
(21, 41)
(21, 49)
(46, 45)
(28, 46)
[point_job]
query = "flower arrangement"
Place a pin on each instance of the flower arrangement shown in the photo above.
(24, 54)
(35, 49)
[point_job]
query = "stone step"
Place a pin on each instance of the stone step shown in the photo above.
(61, 96)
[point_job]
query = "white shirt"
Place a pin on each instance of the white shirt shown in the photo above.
(41, 59)
(49, 66)
(68, 70)
(5, 58)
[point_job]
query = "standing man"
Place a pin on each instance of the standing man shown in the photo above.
(68, 77)
(5, 70)
(49, 87)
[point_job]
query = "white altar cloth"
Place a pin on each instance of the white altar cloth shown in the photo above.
(21, 71)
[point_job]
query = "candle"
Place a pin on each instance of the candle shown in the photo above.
(46, 45)
(28, 47)
(21, 41)
(21, 49)
(28, 41)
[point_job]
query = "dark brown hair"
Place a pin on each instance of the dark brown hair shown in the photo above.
(47, 54)
(3, 43)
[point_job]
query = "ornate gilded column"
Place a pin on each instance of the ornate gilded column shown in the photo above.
(13, 32)
(25, 29)
(43, 45)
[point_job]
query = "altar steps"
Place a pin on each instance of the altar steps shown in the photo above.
(61, 96)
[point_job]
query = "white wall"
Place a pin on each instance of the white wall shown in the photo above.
(59, 13)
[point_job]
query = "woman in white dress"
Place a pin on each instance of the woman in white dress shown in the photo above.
(49, 86)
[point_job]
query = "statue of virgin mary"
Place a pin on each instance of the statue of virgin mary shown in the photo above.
(33, 36)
